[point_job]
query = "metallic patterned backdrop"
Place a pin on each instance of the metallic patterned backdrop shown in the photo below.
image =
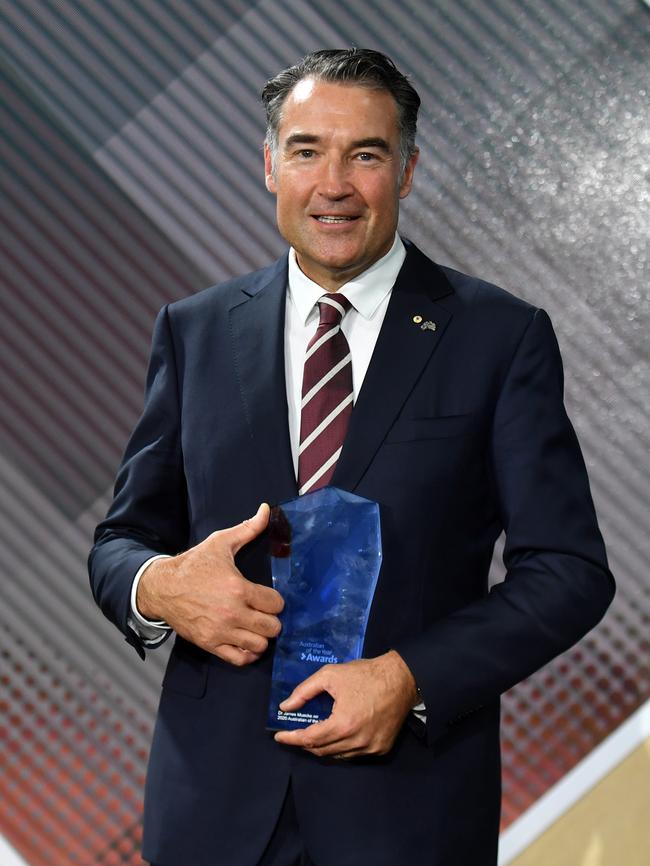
(131, 174)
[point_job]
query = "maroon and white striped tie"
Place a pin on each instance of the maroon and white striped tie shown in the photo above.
(326, 396)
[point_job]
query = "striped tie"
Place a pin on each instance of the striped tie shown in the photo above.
(326, 396)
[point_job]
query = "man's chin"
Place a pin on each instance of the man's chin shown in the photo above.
(331, 274)
(333, 265)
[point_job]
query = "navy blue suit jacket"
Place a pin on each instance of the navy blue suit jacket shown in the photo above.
(459, 433)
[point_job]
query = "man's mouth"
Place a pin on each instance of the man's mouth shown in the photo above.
(335, 219)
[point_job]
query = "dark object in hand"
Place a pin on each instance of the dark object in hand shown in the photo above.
(279, 533)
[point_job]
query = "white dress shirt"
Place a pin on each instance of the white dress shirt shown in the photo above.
(368, 293)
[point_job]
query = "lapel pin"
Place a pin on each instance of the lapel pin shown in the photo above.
(417, 319)
(428, 326)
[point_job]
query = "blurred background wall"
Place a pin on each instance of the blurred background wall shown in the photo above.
(131, 175)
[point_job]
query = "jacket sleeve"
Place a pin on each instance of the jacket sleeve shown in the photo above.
(558, 584)
(148, 515)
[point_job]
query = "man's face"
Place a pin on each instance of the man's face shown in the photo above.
(337, 178)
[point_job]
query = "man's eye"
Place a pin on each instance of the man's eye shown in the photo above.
(364, 156)
(305, 154)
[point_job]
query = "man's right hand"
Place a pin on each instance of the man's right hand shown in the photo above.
(204, 597)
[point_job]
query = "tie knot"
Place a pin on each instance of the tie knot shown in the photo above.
(333, 306)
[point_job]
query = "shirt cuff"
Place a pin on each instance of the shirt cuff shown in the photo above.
(152, 632)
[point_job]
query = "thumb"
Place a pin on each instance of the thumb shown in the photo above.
(305, 691)
(247, 530)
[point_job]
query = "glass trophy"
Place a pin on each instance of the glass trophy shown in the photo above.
(325, 560)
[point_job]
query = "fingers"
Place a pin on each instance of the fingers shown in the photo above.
(257, 596)
(327, 739)
(264, 598)
(305, 691)
(332, 734)
(235, 655)
(315, 736)
(247, 530)
(264, 624)
(370, 705)
(248, 640)
(215, 606)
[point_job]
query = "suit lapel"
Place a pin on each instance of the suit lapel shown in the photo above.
(257, 328)
(401, 352)
(403, 349)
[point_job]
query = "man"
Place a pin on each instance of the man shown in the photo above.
(458, 431)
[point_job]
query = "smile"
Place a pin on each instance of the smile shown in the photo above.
(335, 219)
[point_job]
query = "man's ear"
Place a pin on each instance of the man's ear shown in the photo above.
(268, 170)
(407, 180)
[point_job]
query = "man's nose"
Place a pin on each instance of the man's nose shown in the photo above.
(335, 182)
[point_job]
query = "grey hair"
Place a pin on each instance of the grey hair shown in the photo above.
(361, 67)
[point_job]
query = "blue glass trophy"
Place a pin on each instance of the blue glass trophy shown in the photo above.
(325, 560)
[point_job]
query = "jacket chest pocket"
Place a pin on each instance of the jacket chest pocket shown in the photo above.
(435, 427)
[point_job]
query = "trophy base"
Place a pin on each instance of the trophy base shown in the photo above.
(315, 710)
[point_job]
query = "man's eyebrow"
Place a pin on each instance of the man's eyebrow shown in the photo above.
(301, 138)
(377, 142)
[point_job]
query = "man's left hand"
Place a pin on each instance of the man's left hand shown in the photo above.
(372, 697)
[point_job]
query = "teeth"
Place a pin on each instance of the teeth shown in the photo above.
(331, 219)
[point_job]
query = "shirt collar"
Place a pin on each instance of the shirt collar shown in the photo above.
(365, 292)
